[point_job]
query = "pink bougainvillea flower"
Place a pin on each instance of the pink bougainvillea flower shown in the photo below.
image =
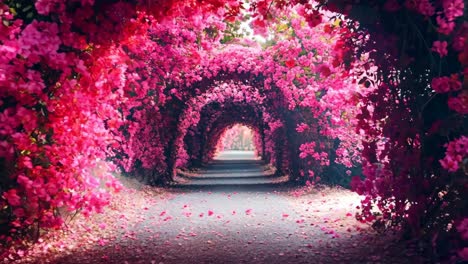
(446, 84)
(302, 127)
(75, 93)
(463, 254)
(453, 8)
(445, 27)
(12, 197)
(290, 63)
(313, 18)
(456, 151)
(19, 212)
(324, 70)
(459, 103)
(459, 42)
(425, 7)
(462, 228)
(440, 47)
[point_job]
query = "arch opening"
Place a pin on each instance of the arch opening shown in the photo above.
(337, 94)
(237, 137)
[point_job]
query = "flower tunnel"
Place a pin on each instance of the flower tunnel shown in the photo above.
(90, 89)
(223, 106)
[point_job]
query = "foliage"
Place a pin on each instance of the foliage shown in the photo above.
(91, 87)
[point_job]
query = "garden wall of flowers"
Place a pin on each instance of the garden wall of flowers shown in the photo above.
(371, 94)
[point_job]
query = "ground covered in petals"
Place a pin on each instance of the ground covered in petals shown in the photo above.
(233, 212)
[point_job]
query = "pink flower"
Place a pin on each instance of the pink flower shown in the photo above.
(324, 70)
(43, 7)
(440, 47)
(449, 163)
(457, 150)
(24, 181)
(446, 84)
(463, 254)
(459, 104)
(357, 185)
(453, 8)
(290, 63)
(314, 18)
(425, 7)
(440, 85)
(463, 229)
(459, 42)
(19, 212)
(12, 197)
(302, 127)
(445, 27)
(307, 149)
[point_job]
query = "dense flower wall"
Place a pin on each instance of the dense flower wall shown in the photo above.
(89, 88)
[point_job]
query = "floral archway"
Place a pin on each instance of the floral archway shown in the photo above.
(84, 82)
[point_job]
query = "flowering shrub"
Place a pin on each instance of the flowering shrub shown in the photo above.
(141, 87)
(457, 152)
(415, 111)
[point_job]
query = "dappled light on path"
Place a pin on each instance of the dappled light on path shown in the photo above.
(230, 170)
(230, 213)
(370, 95)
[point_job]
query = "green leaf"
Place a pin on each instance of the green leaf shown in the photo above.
(318, 94)
(282, 27)
(27, 8)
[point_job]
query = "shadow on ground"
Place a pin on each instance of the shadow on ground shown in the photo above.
(234, 171)
(233, 212)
